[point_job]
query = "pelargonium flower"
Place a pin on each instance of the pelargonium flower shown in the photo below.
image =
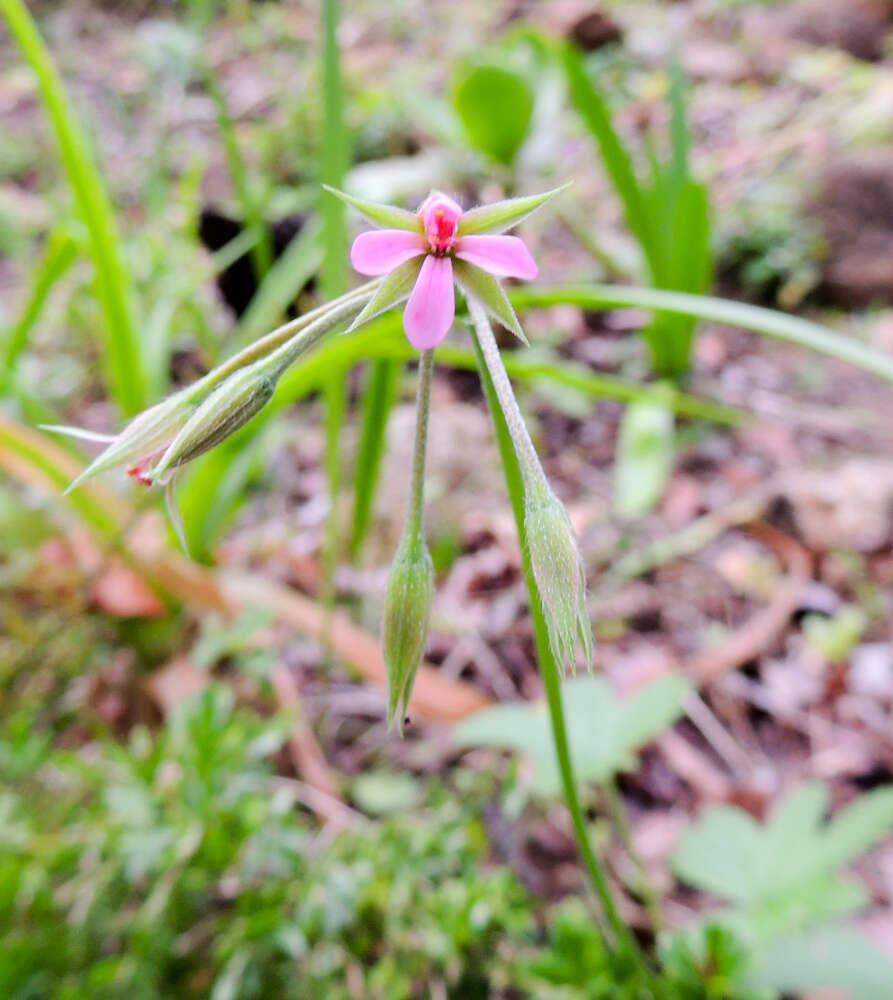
(422, 254)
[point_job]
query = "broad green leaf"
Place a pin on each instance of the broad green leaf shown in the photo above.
(394, 288)
(382, 794)
(720, 854)
(836, 958)
(502, 215)
(856, 828)
(784, 872)
(645, 451)
(604, 732)
(487, 290)
(495, 106)
(382, 215)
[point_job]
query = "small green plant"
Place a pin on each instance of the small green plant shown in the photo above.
(786, 894)
(645, 451)
(833, 638)
(178, 867)
(668, 214)
(600, 752)
(181, 867)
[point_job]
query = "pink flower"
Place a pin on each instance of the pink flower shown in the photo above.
(435, 234)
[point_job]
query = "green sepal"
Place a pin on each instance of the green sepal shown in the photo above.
(146, 434)
(381, 215)
(502, 215)
(394, 288)
(487, 290)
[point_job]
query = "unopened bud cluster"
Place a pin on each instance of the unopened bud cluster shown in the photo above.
(420, 257)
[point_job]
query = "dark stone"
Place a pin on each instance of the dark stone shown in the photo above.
(239, 282)
(595, 30)
(855, 210)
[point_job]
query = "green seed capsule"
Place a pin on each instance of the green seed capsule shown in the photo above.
(229, 407)
(558, 571)
(407, 615)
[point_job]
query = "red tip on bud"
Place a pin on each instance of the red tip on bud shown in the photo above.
(140, 472)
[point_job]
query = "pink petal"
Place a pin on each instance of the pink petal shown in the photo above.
(432, 306)
(381, 250)
(504, 256)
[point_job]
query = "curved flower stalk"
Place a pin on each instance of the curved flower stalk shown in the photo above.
(554, 554)
(407, 610)
(421, 255)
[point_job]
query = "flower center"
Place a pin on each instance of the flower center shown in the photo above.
(440, 217)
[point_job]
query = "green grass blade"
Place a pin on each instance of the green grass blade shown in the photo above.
(250, 205)
(334, 158)
(687, 266)
(208, 494)
(59, 255)
(55, 469)
(333, 166)
(768, 322)
(616, 159)
(291, 272)
(680, 133)
(122, 355)
(378, 400)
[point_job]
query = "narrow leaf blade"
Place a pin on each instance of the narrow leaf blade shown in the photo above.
(378, 400)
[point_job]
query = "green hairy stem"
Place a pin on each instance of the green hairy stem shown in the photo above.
(519, 460)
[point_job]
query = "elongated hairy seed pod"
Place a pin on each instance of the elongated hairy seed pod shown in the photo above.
(229, 407)
(407, 614)
(558, 571)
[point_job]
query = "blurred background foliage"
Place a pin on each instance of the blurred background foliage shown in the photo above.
(160, 207)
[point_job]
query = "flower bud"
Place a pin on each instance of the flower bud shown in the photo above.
(558, 571)
(229, 407)
(407, 614)
(141, 441)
